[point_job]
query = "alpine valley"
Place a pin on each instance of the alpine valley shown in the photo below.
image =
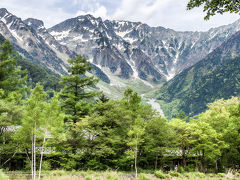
(179, 70)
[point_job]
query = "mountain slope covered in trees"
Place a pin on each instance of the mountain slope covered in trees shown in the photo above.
(38, 73)
(214, 77)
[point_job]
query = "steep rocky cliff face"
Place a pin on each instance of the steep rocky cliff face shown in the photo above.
(129, 50)
(133, 49)
(214, 77)
(31, 39)
(28, 42)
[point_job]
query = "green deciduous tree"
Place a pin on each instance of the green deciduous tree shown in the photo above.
(232, 136)
(158, 136)
(52, 124)
(32, 121)
(10, 118)
(212, 7)
(135, 139)
(40, 119)
(220, 116)
(74, 93)
(182, 137)
(206, 142)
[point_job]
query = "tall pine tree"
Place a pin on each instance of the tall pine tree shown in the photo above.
(12, 78)
(74, 94)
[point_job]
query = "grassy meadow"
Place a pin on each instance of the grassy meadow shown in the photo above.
(114, 175)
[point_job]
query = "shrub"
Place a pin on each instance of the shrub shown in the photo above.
(188, 175)
(221, 174)
(159, 174)
(168, 176)
(88, 178)
(58, 172)
(112, 176)
(190, 168)
(27, 165)
(200, 174)
(211, 175)
(180, 169)
(174, 173)
(143, 177)
(46, 165)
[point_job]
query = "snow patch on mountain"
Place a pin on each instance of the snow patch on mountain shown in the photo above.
(60, 35)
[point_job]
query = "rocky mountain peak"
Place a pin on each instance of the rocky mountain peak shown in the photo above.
(130, 50)
(34, 23)
(3, 12)
(89, 17)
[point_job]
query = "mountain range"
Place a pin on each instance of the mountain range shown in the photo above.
(166, 64)
(214, 77)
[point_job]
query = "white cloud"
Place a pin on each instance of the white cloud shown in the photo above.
(170, 14)
(99, 11)
(138, 10)
(167, 13)
(43, 10)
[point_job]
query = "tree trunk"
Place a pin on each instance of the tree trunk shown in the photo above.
(202, 162)
(34, 153)
(9, 159)
(216, 166)
(40, 164)
(32, 158)
(156, 161)
(136, 157)
(183, 156)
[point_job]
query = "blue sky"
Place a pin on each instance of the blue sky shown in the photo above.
(167, 13)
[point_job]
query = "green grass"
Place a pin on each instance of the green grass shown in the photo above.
(3, 176)
(115, 175)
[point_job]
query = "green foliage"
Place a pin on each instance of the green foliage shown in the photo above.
(142, 177)
(38, 73)
(34, 110)
(221, 174)
(199, 174)
(160, 174)
(88, 178)
(70, 163)
(118, 134)
(35, 72)
(190, 168)
(158, 136)
(174, 173)
(12, 78)
(223, 117)
(206, 140)
(10, 117)
(107, 128)
(212, 7)
(74, 93)
(182, 133)
(58, 172)
(112, 176)
(113, 129)
(195, 87)
(46, 165)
